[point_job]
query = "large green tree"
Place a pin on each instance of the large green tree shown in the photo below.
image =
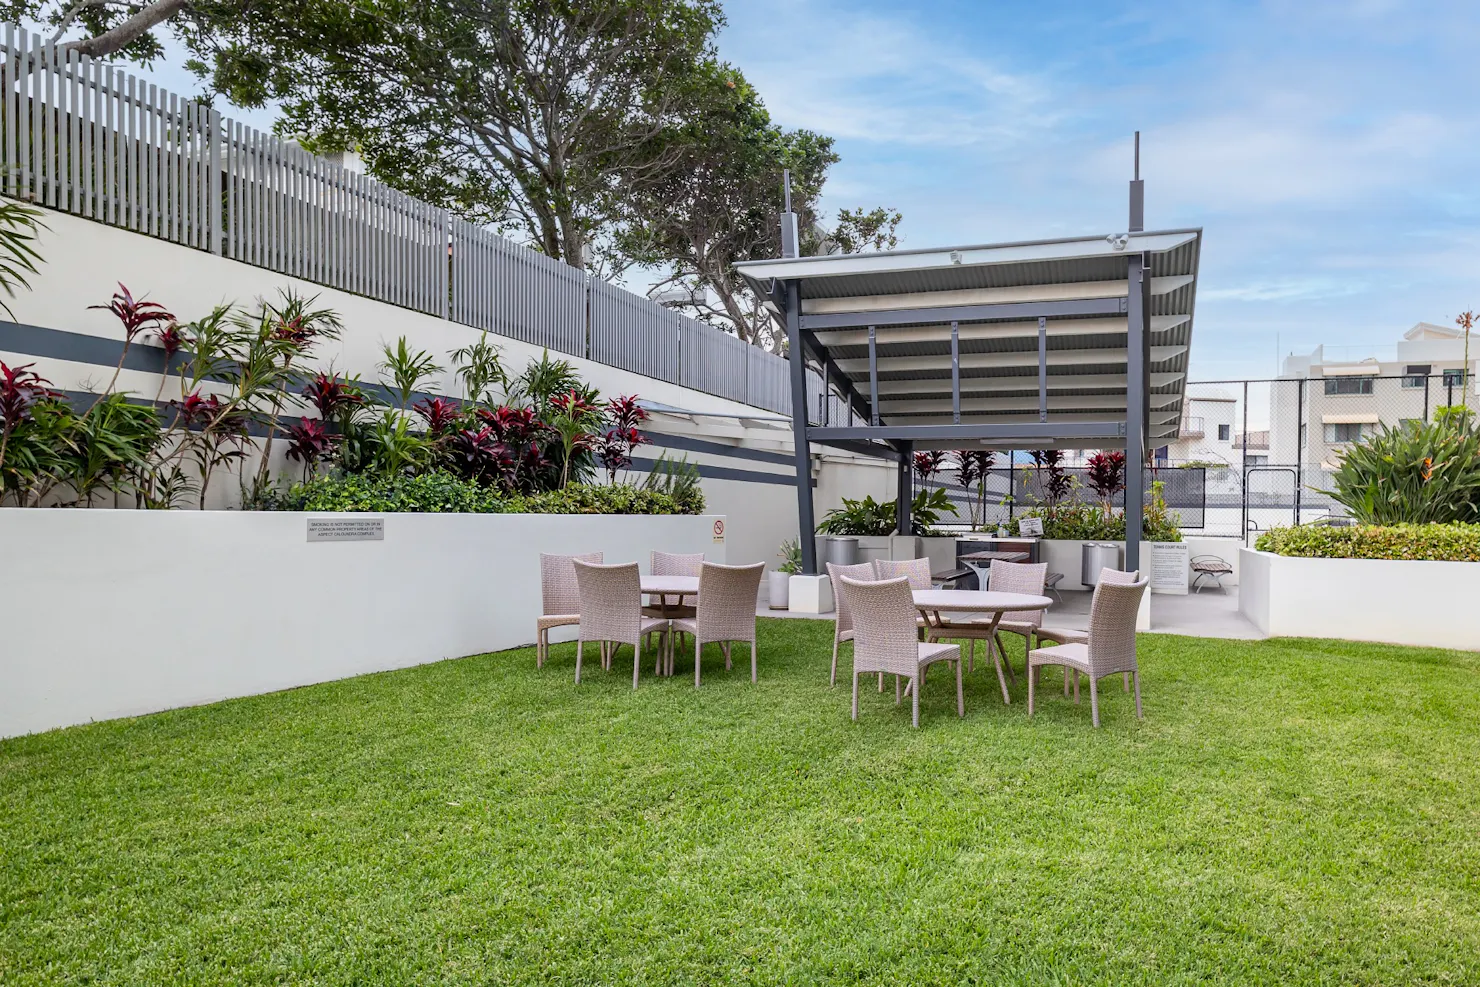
(723, 203)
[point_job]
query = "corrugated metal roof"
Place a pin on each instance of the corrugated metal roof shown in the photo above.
(1081, 348)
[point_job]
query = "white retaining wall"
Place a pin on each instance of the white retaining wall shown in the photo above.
(1392, 601)
(116, 613)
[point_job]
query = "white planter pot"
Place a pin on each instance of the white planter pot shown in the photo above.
(1386, 600)
(779, 585)
(436, 586)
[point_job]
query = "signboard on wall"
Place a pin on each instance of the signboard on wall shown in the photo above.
(346, 529)
(1031, 526)
(1169, 567)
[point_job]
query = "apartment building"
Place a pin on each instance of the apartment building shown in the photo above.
(1331, 402)
(1207, 431)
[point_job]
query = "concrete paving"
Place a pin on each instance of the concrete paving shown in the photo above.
(1206, 614)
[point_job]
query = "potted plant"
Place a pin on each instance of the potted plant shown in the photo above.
(780, 578)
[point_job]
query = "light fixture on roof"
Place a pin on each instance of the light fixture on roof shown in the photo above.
(955, 256)
(1118, 241)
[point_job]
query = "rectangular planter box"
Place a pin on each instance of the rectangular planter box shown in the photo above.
(1392, 601)
(117, 613)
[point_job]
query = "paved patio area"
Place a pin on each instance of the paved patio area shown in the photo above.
(1207, 614)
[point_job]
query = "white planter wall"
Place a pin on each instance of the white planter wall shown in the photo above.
(117, 613)
(1398, 602)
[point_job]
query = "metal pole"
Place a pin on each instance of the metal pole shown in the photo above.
(806, 520)
(1426, 381)
(1299, 444)
(955, 372)
(903, 495)
(1244, 470)
(873, 377)
(1135, 408)
(1042, 369)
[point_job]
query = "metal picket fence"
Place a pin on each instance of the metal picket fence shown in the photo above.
(84, 137)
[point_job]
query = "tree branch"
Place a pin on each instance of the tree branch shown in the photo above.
(120, 36)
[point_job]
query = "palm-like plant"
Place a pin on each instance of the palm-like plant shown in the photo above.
(479, 367)
(18, 257)
(405, 370)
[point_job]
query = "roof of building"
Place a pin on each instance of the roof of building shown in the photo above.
(998, 355)
(1427, 330)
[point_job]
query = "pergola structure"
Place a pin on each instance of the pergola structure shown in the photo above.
(1070, 344)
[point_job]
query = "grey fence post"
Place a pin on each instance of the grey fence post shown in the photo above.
(213, 183)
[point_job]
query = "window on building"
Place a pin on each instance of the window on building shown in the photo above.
(1223, 432)
(1348, 385)
(1343, 432)
(1256, 460)
(1417, 374)
(1454, 378)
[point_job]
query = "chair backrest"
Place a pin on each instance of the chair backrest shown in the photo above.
(917, 571)
(1109, 575)
(1112, 626)
(669, 564)
(1020, 577)
(611, 602)
(559, 594)
(863, 572)
(727, 600)
(884, 614)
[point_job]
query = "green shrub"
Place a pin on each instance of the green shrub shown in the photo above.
(1431, 542)
(619, 498)
(444, 493)
(1077, 521)
(1415, 473)
(426, 493)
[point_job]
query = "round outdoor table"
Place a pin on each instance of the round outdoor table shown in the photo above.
(669, 591)
(934, 602)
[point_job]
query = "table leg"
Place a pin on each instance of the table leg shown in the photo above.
(996, 654)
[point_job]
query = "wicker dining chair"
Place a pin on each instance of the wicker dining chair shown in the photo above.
(1111, 644)
(671, 564)
(611, 612)
(842, 613)
(560, 599)
(1069, 635)
(885, 640)
(917, 571)
(726, 612)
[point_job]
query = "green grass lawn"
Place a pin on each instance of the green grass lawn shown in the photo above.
(1288, 812)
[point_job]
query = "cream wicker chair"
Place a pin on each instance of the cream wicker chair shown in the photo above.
(843, 614)
(1110, 648)
(611, 612)
(726, 611)
(917, 571)
(1068, 635)
(560, 599)
(885, 640)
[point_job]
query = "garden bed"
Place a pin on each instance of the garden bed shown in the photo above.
(1397, 601)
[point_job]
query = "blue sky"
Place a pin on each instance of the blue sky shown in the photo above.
(1329, 150)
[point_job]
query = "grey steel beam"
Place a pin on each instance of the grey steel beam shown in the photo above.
(1137, 355)
(1065, 308)
(873, 378)
(875, 449)
(820, 354)
(1027, 431)
(1042, 369)
(956, 372)
(806, 518)
(902, 491)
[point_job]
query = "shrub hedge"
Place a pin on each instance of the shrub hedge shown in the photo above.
(443, 493)
(1429, 542)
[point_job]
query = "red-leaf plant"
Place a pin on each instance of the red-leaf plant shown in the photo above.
(1106, 476)
(972, 467)
(20, 389)
(309, 443)
(136, 315)
(1056, 482)
(222, 434)
(614, 447)
(440, 414)
(928, 463)
(331, 396)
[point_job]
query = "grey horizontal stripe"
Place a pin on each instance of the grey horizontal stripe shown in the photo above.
(724, 473)
(79, 347)
(690, 444)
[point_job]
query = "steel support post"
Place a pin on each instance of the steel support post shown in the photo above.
(1137, 341)
(806, 519)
